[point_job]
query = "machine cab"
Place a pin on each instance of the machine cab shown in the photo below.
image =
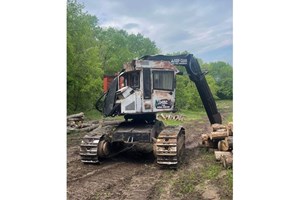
(146, 87)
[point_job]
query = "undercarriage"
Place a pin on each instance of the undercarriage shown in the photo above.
(111, 139)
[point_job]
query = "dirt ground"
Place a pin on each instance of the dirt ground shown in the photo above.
(133, 175)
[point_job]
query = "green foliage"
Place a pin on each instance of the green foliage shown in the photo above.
(225, 91)
(223, 75)
(83, 63)
(92, 52)
(214, 88)
(118, 47)
(219, 80)
(187, 96)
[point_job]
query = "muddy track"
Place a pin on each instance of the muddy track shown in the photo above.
(120, 178)
(130, 175)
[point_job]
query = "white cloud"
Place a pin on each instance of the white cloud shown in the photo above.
(196, 26)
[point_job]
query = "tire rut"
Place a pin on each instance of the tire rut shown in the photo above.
(108, 183)
(141, 184)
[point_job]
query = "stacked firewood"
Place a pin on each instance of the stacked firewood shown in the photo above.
(170, 117)
(222, 138)
(75, 123)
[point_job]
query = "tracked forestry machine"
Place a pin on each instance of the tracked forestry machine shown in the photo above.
(142, 89)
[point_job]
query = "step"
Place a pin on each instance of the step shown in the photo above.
(166, 144)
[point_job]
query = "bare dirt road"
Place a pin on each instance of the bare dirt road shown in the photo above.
(133, 175)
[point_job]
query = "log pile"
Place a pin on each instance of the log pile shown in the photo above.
(222, 138)
(75, 123)
(170, 117)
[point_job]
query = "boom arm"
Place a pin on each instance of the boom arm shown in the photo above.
(194, 71)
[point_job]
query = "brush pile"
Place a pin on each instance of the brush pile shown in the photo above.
(170, 117)
(75, 123)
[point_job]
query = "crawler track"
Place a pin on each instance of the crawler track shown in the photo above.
(169, 146)
(89, 147)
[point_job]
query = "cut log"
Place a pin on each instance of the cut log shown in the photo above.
(230, 128)
(229, 141)
(215, 127)
(75, 119)
(223, 146)
(95, 122)
(71, 123)
(218, 135)
(221, 130)
(218, 154)
(78, 115)
(227, 161)
(88, 129)
(204, 137)
(84, 125)
(226, 144)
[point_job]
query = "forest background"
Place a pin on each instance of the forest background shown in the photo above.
(94, 51)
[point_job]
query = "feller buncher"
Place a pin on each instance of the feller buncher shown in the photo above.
(142, 89)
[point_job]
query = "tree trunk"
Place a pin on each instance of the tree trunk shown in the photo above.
(223, 146)
(229, 140)
(95, 122)
(78, 115)
(88, 129)
(204, 137)
(76, 119)
(218, 135)
(226, 144)
(219, 154)
(221, 130)
(215, 127)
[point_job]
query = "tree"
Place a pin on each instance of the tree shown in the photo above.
(118, 47)
(93, 51)
(83, 64)
(223, 75)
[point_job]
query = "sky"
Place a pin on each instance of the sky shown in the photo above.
(201, 27)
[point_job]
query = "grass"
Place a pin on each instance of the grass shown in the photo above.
(225, 107)
(229, 179)
(190, 183)
(229, 118)
(93, 115)
(212, 171)
(96, 115)
(187, 182)
(193, 115)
